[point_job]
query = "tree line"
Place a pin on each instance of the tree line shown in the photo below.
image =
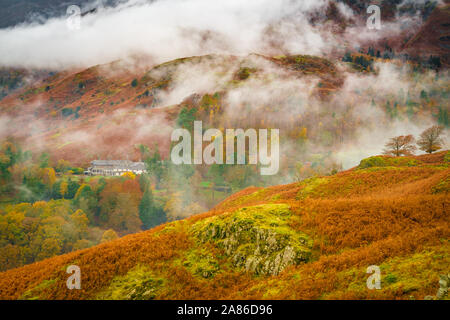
(429, 141)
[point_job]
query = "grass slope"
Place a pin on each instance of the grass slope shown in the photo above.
(307, 240)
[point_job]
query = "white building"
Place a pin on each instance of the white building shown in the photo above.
(114, 167)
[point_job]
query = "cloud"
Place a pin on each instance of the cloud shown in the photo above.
(165, 30)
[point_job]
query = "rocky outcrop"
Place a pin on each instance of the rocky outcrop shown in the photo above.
(258, 239)
(442, 293)
(444, 283)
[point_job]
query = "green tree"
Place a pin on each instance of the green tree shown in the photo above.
(86, 200)
(155, 166)
(143, 150)
(72, 188)
(443, 117)
(347, 57)
(388, 109)
(186, 118)
(144, 182)
(150, 214)
(44, 160)
(423, 95)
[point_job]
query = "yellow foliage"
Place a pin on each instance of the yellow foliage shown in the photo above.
(129, 175)
(49, 176)
(109, 235)
(63, 188)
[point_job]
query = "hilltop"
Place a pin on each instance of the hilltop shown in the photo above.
(312, 239)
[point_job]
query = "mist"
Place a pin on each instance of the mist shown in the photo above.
(163, 30)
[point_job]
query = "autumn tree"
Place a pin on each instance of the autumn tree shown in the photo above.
(129, 175)
(125, 215)
(430, 139)
(50, 247)
(80, 221)
(63, 166)
(109, 235)
(63, 188)
(49, 177)
(11, 155)
(118, 205)
(400, 146)
(174, 206)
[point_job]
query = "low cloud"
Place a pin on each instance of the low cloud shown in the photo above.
(163, 30)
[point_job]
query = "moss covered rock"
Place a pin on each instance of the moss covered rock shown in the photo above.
(257, 238)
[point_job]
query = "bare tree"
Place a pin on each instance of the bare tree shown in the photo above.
(430, 139)
(401, 145)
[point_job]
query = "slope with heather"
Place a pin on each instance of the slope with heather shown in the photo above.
(307, 240)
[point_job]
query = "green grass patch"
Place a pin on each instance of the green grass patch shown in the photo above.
(200, 262)
(442, 187)
(385, 161)
(36, 292)
(309, 187)
(138, 284)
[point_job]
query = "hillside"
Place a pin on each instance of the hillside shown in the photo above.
(308, 240)
(434, 36)
(105, 111)
(78, 115)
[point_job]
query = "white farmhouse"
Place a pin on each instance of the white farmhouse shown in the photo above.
(114, 167)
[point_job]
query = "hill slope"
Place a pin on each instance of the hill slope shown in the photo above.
(433, 37)
(79, 115)
(307, 240)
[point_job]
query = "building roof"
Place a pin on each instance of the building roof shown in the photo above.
(138, 166)
(126, 164)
